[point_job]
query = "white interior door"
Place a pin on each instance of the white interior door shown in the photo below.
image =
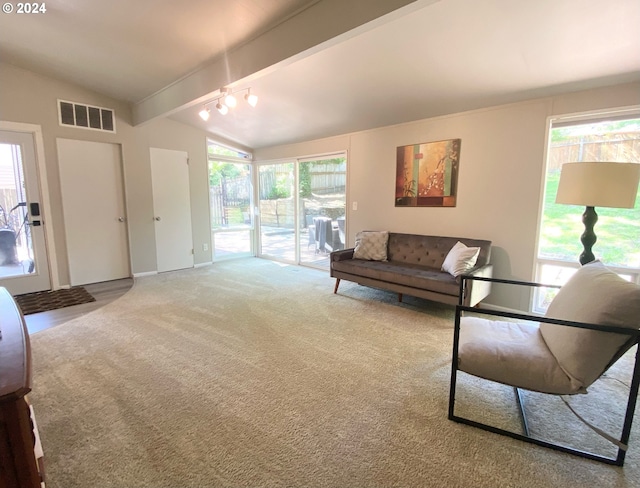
(94, 211)
(24, 267)
(172, 209)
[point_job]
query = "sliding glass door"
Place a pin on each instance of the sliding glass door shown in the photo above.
(276, 188)
(321, 200)
(302, 209)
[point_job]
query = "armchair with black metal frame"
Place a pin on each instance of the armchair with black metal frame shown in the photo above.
(561, 353)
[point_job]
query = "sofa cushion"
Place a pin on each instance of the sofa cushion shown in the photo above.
(411, 275)
(371, 245)
(460, 259)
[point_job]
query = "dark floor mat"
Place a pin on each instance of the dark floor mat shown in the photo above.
(53, 300)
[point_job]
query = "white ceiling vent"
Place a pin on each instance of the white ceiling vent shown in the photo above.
(86, 117)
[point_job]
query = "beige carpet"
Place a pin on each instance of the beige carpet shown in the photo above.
(254, 374)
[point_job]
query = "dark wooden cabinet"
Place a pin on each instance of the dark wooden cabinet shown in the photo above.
(21, 459)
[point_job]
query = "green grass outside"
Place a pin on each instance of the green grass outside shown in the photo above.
(618, 231)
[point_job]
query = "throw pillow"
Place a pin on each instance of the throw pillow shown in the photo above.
(594, 295)
(460, 259)
(371, 245)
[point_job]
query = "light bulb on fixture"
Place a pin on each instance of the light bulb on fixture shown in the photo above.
(230, 101)
(251, 99)
(223, 109)
(204, 114)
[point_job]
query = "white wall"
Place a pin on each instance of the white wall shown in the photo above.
(501, 169)
(502, 162)
(31, 98)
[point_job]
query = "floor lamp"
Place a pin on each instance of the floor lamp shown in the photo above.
(597, 185)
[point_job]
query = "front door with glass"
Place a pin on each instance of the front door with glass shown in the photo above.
(24, 266)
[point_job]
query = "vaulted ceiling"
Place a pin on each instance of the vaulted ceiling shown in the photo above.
(325, 67)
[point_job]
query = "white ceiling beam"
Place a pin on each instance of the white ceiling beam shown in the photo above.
(323, 23)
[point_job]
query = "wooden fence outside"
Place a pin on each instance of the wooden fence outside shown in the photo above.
(625, 149)
(231, 200)
(325, 178)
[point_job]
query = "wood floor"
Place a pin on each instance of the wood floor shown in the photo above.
(104, 293)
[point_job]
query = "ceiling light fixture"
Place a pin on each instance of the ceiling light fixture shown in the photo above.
(223, 109)
(251, 99)
(227, 100)
(204, 114)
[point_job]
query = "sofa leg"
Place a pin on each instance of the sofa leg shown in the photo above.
(400, 297)
(335, 289)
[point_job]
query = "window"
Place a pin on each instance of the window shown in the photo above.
(230, 201)
(226, 152)
(599, 138)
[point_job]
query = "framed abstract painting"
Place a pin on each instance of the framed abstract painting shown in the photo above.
(427, 174)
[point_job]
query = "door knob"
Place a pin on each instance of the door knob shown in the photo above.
(158, 219)
(120, 219)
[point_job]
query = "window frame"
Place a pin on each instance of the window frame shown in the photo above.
(554, 122)
(243, 158)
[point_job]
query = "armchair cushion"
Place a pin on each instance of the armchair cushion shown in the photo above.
(510, 353)
(593, 295)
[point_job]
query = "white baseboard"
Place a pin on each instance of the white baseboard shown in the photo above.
(202, 265)
(146, 273)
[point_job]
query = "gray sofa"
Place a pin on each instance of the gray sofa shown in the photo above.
(413, 267)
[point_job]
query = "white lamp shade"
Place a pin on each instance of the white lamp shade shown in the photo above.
(599, 184)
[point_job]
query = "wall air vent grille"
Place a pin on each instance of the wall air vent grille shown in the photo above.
(86, 117)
